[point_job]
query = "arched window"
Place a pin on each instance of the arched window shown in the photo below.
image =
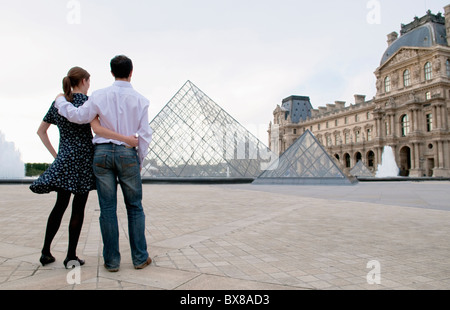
(428, 71)
(405, 125)
(371, 159)
(347, 159)
(387, 84)
(447, 64)
(406, 78)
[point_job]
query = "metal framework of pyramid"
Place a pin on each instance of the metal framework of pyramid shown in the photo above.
(305, 162)
(195, 138)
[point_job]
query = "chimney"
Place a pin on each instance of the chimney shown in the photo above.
(339, 104)
(331, 107)
(392, 37)
(360, 99)
(447, 22)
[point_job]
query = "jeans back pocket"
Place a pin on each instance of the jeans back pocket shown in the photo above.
(100, 164)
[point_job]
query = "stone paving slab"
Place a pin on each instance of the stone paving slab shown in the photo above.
(245, 237)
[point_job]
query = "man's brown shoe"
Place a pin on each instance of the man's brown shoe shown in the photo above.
(111, 269)
(142, 266)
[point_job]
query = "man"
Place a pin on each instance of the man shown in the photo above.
(123, 110)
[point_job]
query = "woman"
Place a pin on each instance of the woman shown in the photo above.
(71, 172)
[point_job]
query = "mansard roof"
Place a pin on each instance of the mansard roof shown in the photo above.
(424, 32)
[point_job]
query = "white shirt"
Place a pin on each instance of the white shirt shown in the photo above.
(120, 108)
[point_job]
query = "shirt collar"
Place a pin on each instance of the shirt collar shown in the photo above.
(123, 84)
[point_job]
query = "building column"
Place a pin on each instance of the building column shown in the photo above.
(418, 159)
(434, 115)
(378, 128)
(445, 154)
(412, 171)
(444, 118)
(439, 116)
(416, 120)
(416, 169)
(437, 113)
(392, 126)
(378, 154)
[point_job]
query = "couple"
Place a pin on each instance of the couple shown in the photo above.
(119, 117)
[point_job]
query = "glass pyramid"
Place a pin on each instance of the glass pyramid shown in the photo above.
(305, 162)
(361, 170)
(195, 138)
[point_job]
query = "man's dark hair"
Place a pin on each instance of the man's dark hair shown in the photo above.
(121, 67)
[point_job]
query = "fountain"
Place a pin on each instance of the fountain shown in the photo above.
(388, 167)
(11, 164)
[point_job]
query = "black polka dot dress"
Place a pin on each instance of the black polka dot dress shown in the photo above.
(72, 169)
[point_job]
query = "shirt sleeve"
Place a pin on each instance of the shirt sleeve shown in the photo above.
(145, 135)
(81, 115)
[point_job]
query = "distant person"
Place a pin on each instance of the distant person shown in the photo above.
(123, 110)
(71, 172)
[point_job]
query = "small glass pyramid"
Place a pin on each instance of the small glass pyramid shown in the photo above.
(305, 162)
(195, 138)
(361, 170)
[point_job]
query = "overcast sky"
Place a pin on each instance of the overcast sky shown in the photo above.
(247, 55)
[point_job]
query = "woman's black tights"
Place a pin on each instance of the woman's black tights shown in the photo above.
(75, 225)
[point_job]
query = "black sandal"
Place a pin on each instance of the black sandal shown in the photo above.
(46, 259)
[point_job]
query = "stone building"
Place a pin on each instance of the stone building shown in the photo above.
(410, 111)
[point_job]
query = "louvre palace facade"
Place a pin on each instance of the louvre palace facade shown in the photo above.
(410, 111)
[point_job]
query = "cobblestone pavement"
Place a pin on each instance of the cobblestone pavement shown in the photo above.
(368, 236)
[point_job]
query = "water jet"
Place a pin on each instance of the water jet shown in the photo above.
(11, 164)
(388, 167)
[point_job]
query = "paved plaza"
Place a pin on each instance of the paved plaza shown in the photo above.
(368, 236)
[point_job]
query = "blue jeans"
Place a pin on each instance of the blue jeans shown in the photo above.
(118, 164)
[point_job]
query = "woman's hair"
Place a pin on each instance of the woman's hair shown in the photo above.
(74, 77)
